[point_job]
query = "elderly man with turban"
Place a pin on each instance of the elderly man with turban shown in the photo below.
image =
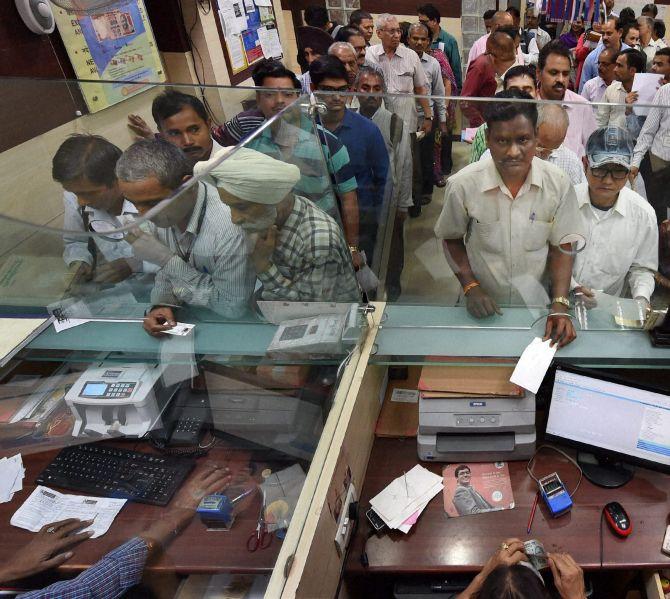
(202, 255)
(299, 251)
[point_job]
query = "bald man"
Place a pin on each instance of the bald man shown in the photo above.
(346, 54)
(299, 252)
(500, 19)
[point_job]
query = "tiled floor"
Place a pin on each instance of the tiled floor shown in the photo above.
(427, 278)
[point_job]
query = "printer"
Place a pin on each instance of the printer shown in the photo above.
(115, 399)
(481, 429)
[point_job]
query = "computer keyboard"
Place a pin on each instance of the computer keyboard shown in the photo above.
(113, 472)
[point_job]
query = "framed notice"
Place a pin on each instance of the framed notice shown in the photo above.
(115, 45)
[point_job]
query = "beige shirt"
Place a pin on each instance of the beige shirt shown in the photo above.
(621, 245)
(507, 239)
(402, 73)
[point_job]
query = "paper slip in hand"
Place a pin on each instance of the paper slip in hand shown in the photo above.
(533, 364)
(181, 329)
(46, 505)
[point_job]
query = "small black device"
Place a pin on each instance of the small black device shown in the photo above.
(119, 473)
(375, 520)
(617, 519)
(188, 420)
(660, 336)
(613, 422)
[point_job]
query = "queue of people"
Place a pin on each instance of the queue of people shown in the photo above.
(268, 221)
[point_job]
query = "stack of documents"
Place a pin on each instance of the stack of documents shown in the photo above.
(400, 504)
(12, 473)
(46, 505)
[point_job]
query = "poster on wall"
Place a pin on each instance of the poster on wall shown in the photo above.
(114, 45)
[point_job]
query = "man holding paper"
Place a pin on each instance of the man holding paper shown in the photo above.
(509, 222)
(614, 214)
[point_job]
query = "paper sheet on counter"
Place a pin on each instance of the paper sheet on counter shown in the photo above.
(12, 474)
(533, 364)
(46, 505)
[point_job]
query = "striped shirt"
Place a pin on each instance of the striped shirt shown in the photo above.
(111, 577)
(296, 145)
(655, 134)
(217, 272)
(402, 72)
(311, 261)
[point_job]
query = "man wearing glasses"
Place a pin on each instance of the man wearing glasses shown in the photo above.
(614, 214)
(403, 74)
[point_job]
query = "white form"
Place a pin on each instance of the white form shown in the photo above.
(46, 505)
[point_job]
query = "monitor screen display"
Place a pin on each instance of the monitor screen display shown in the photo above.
(94, 389)
(610, 416)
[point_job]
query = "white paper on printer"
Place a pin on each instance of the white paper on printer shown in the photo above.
(46, 505)
(405, 495)
(533, 364)
(12, 473)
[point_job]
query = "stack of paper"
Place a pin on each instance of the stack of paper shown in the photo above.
(400, 504)
(443, 382)
(12, 473)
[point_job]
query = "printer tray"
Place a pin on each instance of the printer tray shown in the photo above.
(477, 443)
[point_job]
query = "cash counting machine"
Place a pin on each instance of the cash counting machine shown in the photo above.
(115, 399)
(490, 429)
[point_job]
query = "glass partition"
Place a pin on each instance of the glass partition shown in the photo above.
(208, 285)
(202, 307)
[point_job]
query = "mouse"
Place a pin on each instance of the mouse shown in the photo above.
(617, 519)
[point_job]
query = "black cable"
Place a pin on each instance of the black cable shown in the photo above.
(189, 31)
(602, 517)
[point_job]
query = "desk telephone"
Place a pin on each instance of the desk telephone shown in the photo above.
(184, 421)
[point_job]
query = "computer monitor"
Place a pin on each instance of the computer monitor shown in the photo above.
(616, 421)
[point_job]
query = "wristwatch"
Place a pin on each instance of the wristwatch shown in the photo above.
(561, 300)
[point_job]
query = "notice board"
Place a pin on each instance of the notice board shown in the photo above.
(248, 30)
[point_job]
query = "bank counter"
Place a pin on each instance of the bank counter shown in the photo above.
(287, 392)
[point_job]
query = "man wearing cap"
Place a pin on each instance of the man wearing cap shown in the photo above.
(299, 251)
(621, 250)
(202, 255)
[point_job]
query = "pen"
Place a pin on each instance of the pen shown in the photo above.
(406, 489)
(532, 512)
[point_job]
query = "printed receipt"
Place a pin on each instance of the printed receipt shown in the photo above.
(46, 505)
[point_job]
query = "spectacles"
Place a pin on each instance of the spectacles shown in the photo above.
(601, 172)
(327, 88)
(392, 31)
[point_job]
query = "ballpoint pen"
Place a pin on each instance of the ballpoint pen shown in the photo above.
(532, 512)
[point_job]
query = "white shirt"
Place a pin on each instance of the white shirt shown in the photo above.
(402, 72)
(507, 239)
(594, 90)
(76, 246)
(655, 134)
(614, 114)
(621, 245)
(435, 87)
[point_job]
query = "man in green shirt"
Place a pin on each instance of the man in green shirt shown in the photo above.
(430, 16)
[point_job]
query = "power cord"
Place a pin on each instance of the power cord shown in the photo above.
(529, 465)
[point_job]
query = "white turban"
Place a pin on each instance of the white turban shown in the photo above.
(250, 175)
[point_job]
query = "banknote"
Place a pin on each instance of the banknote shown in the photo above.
(536, 554)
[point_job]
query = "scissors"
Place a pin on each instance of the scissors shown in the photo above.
(260, 538)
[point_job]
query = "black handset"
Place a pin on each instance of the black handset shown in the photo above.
(188, 421)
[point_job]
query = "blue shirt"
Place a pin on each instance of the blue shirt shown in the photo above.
(368, 158)
(590, 68)
(111, 577)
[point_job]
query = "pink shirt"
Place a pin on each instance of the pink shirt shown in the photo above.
(582, 122)
(479, 48)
